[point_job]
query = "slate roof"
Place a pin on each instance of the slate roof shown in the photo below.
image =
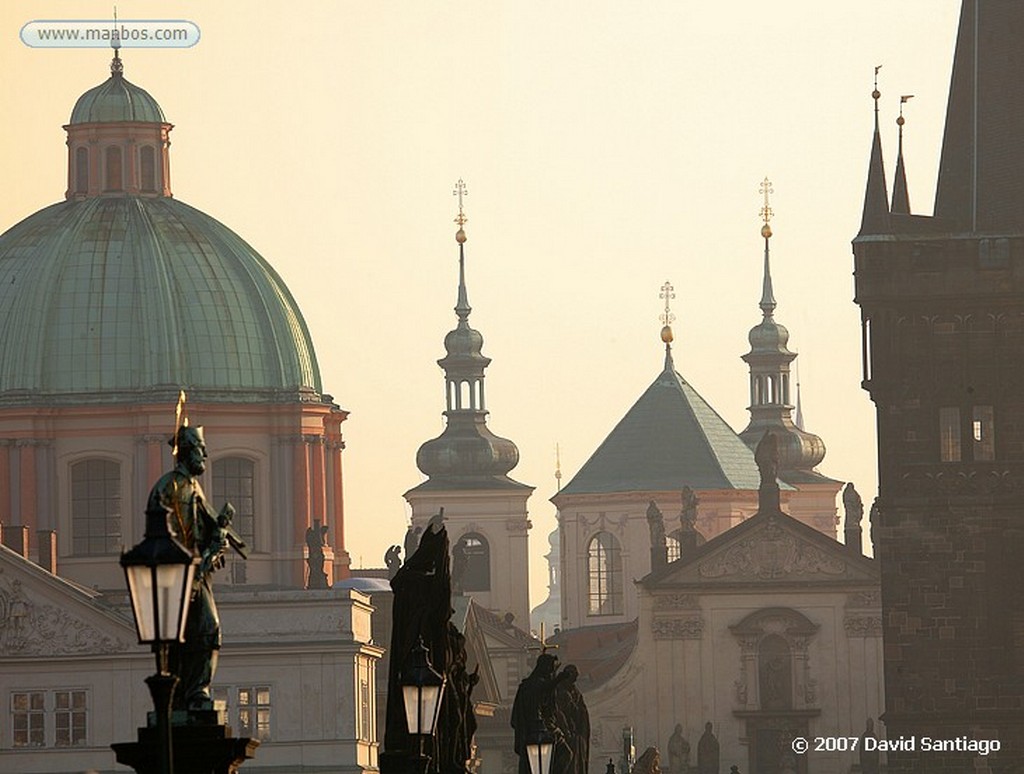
(669, 439)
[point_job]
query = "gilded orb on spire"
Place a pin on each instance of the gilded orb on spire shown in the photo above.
(667, 293)
(460, 219)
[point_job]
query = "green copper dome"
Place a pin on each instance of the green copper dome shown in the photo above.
(116, 100)
(115, 296)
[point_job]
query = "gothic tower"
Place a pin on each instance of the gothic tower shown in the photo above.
(466, 468)
(942, 310)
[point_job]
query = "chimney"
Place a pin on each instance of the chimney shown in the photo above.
(15, 537)
(47, 540)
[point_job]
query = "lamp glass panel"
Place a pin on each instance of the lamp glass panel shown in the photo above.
(190, 572)
(170, 580)
(411, 696)
(140, 589)
(540, 757)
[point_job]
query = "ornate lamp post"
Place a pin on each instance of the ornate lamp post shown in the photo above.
(159, 573)
(422, 688)
(540, 745)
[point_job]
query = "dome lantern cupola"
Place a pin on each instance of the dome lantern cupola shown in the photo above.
(467, 450)
(118, 141)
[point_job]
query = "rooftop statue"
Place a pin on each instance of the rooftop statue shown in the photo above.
(208, 536)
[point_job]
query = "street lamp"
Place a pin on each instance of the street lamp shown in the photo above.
(159, 573)
(422, 688)
(540, 744)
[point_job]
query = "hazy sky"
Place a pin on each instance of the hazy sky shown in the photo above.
(606, 146)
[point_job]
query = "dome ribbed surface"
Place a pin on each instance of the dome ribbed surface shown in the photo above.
(116, 100)
(113, 295)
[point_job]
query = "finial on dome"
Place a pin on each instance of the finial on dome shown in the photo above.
(767, 213)
(558, 468)
(460, 219)
(116, 65)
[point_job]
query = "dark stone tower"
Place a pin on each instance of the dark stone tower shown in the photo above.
(942, 309)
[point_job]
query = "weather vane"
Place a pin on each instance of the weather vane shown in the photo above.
(876, 94)
(904, 99)
(667, 318)
(460, 191)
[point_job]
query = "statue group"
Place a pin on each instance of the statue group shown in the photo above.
(422, 611)
(550, 696)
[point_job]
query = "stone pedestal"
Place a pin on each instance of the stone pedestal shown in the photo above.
(201, 746)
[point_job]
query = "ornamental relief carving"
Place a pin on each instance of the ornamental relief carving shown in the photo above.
(30, 629)
(863, 625)
(869, 599)
(675, 602)
(686, 628)
(771, 554)
(942, 483)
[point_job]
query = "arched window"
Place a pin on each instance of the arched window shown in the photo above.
(96, 507)
(114, 180)
(672, 545)
(775, 673)
(604, 575)
(474, 555)
(234, 481)
(81, 170)
(147, 168)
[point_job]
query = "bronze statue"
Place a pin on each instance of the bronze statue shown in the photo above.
(393, 560)
(551, 696)
(422, 609)
(678, 752)
(316, 541)
(649, 762)
(707, 752)
(199, 530)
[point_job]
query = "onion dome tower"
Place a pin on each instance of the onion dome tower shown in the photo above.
(467, 470)
(114, 300)
(770, 407)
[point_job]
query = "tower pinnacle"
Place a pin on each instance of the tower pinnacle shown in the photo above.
(875, 217)
(900, 192)
(462, 307)
(767, 297)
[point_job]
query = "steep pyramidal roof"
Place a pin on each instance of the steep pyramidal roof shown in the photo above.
(669, 439)
(981, 171)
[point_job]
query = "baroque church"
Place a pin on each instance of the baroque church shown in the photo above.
(111, 301)
(745, 610)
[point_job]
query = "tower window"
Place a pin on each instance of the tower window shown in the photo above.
(474, 556)
(604, 575)
(234, 481)
(81, 170)
(95, 507)
(115, 181)
(949, 434)
(983, 434)
(147, 168)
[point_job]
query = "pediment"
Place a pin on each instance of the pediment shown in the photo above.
(42, 615)
(774, 549)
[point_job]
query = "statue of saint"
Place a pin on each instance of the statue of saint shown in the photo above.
(316, 540)
(659, 543)
(870, 762)
(207, 535)
(678, 752)
(707, 752)
(393, 560)
(573, 718)
(853, 506)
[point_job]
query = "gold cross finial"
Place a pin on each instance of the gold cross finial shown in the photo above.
(766, 190)
(667, 318)
(460, 191)
(544, 646)
(558, 467)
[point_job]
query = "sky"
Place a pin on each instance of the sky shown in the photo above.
(606, 147)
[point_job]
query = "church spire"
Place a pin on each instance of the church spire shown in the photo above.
(875, 217)
(900, 192)
(466, 451)
(767, 296)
